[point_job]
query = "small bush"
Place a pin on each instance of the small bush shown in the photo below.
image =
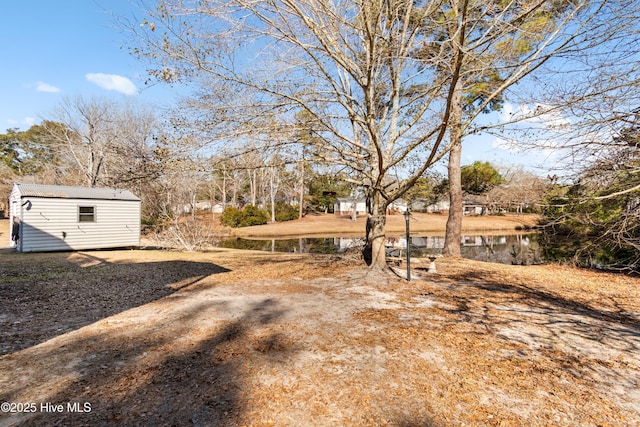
(250, 215)
(231, 217)
(285, 212)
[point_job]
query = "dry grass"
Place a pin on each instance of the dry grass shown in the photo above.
(330, 225)
(246, 338)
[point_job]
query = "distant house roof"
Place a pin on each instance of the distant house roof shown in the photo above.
(67, 192)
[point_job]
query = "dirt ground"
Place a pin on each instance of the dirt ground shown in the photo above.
(239, 338)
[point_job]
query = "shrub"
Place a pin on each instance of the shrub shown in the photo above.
(285, 212)
(250, 215)
(231, 216)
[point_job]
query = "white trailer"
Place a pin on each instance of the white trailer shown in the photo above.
(60, 218)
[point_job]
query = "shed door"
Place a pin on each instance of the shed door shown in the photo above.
(15, 217)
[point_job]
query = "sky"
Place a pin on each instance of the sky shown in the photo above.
(56, 49)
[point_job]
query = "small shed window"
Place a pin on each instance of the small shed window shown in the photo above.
(86, 214)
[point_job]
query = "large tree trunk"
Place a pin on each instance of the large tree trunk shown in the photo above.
(272, 195)
(453, 232)
(301, 196)
(374, 250)
(454, 221)
(253, 185)
(224, 189)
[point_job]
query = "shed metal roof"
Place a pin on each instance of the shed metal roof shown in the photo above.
(67, 192)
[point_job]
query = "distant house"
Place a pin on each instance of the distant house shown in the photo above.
(469, 207)
(59, 218)
(217, 208)
(398, 206)
(346, 205)
(200, 205)
(424, 205)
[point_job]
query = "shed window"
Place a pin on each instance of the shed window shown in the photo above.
(86, 214)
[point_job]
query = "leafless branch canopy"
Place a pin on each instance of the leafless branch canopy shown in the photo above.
(375, 77)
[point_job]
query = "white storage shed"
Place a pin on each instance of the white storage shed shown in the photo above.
(60, 218)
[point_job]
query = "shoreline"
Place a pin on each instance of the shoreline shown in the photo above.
(330, 225)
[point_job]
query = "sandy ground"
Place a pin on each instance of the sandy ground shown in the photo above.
(4, 233)
(329, 225)
(230, 338)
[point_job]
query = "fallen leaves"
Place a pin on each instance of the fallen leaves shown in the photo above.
(243, 338)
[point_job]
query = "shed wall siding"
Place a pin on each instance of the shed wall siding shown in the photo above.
(52, 224)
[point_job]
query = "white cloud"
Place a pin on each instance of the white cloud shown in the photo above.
(543, 115)
(113, 82)
(45, 87)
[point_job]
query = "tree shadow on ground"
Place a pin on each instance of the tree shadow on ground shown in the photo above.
(204, 384)
(543, 320)
(67, 292)
(546, 299)
(583, 345)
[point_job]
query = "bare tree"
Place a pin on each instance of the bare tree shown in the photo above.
(353, 68)
(521, 190)
(109, 143)
(584, 115)
(88, 133)
(502, 47)
(141, 151)
(575, 109)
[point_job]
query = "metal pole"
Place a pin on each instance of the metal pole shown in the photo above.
(406, 217)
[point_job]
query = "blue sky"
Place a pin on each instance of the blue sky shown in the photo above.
(53, 49)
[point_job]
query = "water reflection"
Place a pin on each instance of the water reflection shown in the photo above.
(519, 249)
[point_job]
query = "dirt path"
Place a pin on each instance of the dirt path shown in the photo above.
(244, 338)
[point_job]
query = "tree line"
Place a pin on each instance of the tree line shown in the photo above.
(101, 143)
(375, 92)
(386, 89)
(98, 142)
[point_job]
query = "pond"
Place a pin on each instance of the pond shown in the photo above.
(521, 249)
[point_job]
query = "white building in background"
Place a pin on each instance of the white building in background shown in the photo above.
(469, 207)
(60, 218)
(345, 206)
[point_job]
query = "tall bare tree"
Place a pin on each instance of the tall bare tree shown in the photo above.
(352, 67)
(109, 143)
(88, 133)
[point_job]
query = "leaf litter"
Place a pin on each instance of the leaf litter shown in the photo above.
(151, 337)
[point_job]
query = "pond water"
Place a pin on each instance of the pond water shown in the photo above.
(521, 249)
